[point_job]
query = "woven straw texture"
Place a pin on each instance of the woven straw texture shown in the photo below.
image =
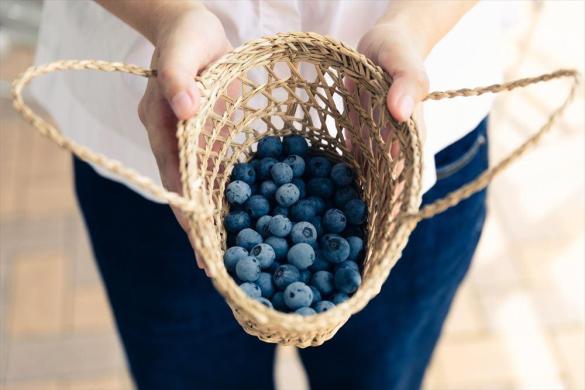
(258, 90)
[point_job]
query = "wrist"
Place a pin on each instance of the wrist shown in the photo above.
(166, 18)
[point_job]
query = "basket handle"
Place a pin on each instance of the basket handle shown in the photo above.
(480, 182)
(84, 153)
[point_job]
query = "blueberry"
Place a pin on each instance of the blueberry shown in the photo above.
(297, 295)
(347, 264)
(268, 189)
(295, 144)
(353, 230)
(322, 306)
(344, 195)
(303, 232)
(347, 280)
(236, 221)
(231, 257)
(238, 192)
(265, 283)
(280, 226)
(278, 301)
(334, 221)
(287, 194)
(251, 289)
(269, 147)
(244, 172)
(255, 163)
(320, 264)
(316, 294)
(248, 238)
(342, 174)
(257, 206)
(248, 269)
(300, 183)
(318, 204)
(339, 298)
(303, 210)
(320, 186)
(334, 248)
(265, 166)
(316, 222)
(323, 281)
(355, 211)
(254, 188)
(262, 225)
(305, 275)
(319, 166)
(356, 246)
(272, 267)
(305, 311)
(265, 302)
(301, 255)
(285, 275)
(264, 253)
(296, 163)
(281, 173)
(280, 246)
(280, 210)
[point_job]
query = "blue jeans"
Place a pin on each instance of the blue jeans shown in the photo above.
(178, 333)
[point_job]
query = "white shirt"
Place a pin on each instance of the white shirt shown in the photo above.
(99, 110)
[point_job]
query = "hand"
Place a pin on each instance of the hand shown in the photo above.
(185, 45)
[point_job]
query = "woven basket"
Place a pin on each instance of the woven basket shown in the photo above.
(344, 104)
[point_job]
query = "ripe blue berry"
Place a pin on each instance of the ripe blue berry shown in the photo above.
(251, 289)
(320, 186)
(264, 253)
(281, 173)
(300, 183)
(244, 172)
(265, 166)
(287, 194)
(278, 301)
(295, 144)
(236, 221)
(305, 275)
(305, 311)
(320, 264)
(238, 192)
(280, 246)
(269, 147)
(248, 269)
(265, 283)
(280, 210)
(344, 195)
(248, 238)
(316, 294)
(303, 210)
(297, 295)
(355, 211)
(319, 166)
(301, 255)
(232, 256)
(285, 275)
(347, 280)
(280, 226)
(318, 204)
(356, 246)
(268, 189)
(334, 248)
(342, 174)
(262, 225)
(339, 298)
(257, 206)
(347, 264)
(323, 281)
(323, 306)
(265, 302)
(316, 222)
(334, 221)
(303, 232)
(296, 163)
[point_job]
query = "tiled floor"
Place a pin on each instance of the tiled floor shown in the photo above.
(518, 321)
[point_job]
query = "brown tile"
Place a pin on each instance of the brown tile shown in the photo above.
(37, 294)
(91, 311)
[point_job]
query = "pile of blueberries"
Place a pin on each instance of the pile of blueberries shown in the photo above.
(295, 227)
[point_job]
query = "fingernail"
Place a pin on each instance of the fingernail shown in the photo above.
(406, 107)
(181, 104)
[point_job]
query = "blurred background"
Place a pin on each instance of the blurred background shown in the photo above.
(518, 322)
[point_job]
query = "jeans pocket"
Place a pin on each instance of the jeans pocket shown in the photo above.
(463, 160)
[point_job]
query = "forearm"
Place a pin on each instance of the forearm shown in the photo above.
(428, 21)
(148, 17)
